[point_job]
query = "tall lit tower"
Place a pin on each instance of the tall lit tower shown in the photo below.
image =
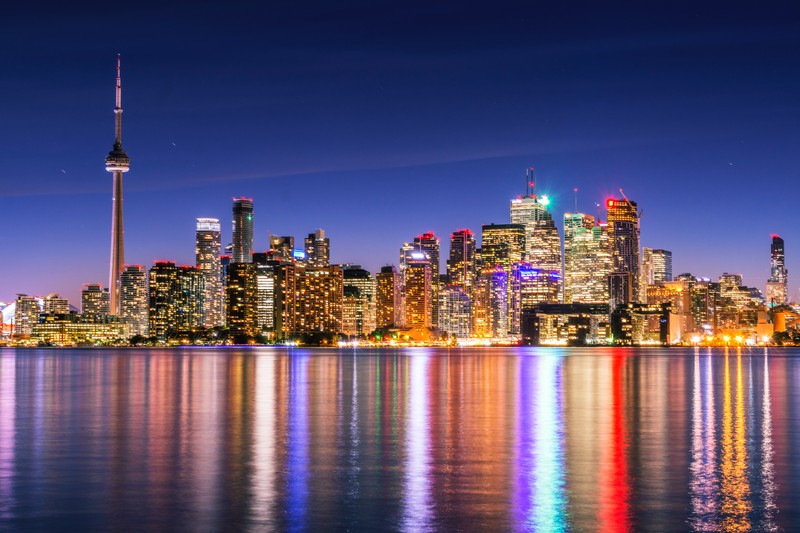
(117, 162)
(242, 230)
(208, 246)
(777, 284)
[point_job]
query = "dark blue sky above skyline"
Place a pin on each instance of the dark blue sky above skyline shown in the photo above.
(380, 120)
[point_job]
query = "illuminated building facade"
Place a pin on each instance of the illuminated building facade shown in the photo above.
(623, 225)
(503, 245)
(587, 259)
(531, 286)
(133, 299)
(318, 249)
(264, 271)
(282, 248)
(320, 294)
(461, 268)
(364, 298)
(285, 300)
(73, 329)
(54, 304)
(542, 241)
(175, 298)
(454, 316)
(208, 247)
(418, 293)
(481, 307)
(778, 282)
(499, 300)
(242, 230)
(94, 300)
(26, 314)
(241, 301)
(387, 298)
(428, 243)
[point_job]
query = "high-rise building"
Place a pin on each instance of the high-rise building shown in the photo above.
(318, 249)
(428, 243)
(133, 299)
(285, 301)
(587, 259)
(481, 308)
(26, 315)
(418, 294)
(320, 294)
(542, 241)
(265, 263)
(282, 248)
(241, 300)
(454, 312)
(242, 229)
(778, 282)
(387, 297)
(502, 244)
(208, 247)
(54, 304)
(461, 268)
(662, 265)
(117, 162)
(623, 225)
(360, 288)
(531, 286)
(95, 300)
(175, 298)
(499, 301)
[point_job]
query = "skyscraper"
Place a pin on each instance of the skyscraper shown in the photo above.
(54, 304)
(542, 241)
(587, 259)
(318, 249)
(428, 243)
(241, 301)
(418, 294)
(461, 265)
(95, 301)
(175, 298)
(777, 284)
(502, 244)
(454, 312)
(117, 162)
(242, 229)
(623, 225)
(208, 247)
(387, 297)
(320, 295)
(133, 299)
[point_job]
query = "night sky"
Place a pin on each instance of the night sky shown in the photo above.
(380, 120)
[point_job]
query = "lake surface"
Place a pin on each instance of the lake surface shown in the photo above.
(544, 439)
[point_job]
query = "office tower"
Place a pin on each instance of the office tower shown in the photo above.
(320, 294)
(530, 286)
(461, 265)
(26, 315)
(361, 287)
(175, 299)
(418, 293)
(117, 162)
(95, 301)
(623, 225)
(587, 259)
(502, 244)
(241, 301)
(481, 308)
(242, 229)
(454, 312)
(499, 301)
(133, 299)
(282, 248)
(387, 298)
(542, 241)
(54, 304)
(318, 249)
(285, 301)
(428, 243)
(777, 284)
(265, 263)
(208, 247)
(662, 265)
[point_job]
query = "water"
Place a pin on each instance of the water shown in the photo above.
(413, 440)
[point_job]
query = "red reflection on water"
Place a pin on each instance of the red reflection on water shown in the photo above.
(614, 513)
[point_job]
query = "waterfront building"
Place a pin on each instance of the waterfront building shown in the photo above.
(265, 263)
(418, 293)
(481, 308)
(242, 230)
(587, 259)
(499, 300)
(320, 294)
(461, 269)
(208, 248)
(777, 285)
(175, 298)
(285, 300)
(531, 286)
(387, 298)
(133, 299)
(503, 245)
(117, 163)
(54, 304)
(623, 226)
(26, 314)
(241, 300)
(318, 249)
(428, 243)
(364, 298)
(94, 300)
(454, 316)
(70, 329)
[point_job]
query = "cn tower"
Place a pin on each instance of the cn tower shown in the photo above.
(117, 162)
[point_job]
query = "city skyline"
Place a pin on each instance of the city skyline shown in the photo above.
(684, 150)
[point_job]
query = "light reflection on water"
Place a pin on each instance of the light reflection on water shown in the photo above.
(424, 439)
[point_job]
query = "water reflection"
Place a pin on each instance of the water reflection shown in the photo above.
(509, 440)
